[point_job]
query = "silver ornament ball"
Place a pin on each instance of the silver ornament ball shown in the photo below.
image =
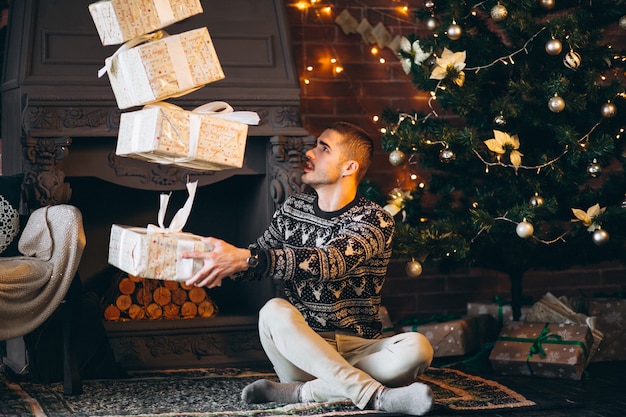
(446, 156)
(572, 60)
(554, 47)
(556, 104)
(622, 22)
(594, 169)
(547, 4)
(499, 121)
(413, 268)
(600, 237)
(454, 32)
(499, 12)
(397, 157)
(608, 110)
(524, 229)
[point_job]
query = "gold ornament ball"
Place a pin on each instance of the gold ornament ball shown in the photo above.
(622, 22)
(600, 237)
(431, 23)
(524, 229)
(556, 104)
(608, 110)
(397, 157)
(454, 32)
(572, 60)
(413, 268)
(554, 47)
(547, 4)
(499, 12)
(536, 201)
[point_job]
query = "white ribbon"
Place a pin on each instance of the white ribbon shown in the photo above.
(154, 36)
(225, 111)
(180, 218)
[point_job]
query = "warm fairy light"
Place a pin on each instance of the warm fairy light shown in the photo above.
(375, 118)
(302, 5)
(327, 9)
(374, 50)
(333, 60)
(338, 69)
(309, 68)
(307, 81)
(382, 60)
(383, 130)
(421, 185)
(413, 177)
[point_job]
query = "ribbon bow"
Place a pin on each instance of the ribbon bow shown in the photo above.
(544, 336)
(154, 36)
(181, 216)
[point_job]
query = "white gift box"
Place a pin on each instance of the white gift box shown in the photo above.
(118, 21)
(155, 252)
(162, 67)
(211, 137)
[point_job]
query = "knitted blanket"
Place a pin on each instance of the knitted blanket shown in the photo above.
(33, 285)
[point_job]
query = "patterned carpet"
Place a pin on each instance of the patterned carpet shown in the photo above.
(213, 392)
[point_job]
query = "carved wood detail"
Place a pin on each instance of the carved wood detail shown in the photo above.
(287, 157)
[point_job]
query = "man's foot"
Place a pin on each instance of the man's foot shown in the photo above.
(264, 391)
(415, 399)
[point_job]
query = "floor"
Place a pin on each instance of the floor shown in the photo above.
(601, 393)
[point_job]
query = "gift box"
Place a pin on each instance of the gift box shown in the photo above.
(501, 311)
(610, 316)
(157, 66)
(455, 337)
(155, 251)
(557, 310)
(551, 350)
(118, 21)
(203, 138)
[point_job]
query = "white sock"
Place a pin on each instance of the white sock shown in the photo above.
(415, 399)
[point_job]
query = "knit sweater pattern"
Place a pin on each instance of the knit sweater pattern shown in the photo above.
(332, 264)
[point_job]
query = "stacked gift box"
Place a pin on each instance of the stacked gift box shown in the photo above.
(610, 313)
(149, 67)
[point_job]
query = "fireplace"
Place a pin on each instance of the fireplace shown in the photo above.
(59, 127)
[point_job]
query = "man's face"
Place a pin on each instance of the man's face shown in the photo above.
(324, 165)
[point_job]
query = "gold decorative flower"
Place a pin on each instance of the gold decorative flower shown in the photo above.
(450, 64)
(501, 142)
(416, 52)
(589, 216)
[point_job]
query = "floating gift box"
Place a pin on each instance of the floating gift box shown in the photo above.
(118, 21)
(162, 67)
(453, 337)
(155, 252)
(542, 349)
(611, 320)
(211, 137)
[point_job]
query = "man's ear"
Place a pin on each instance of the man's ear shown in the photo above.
(350, 167)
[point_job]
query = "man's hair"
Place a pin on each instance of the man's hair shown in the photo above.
(357, 144)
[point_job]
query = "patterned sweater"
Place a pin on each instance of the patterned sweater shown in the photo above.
(332, 264)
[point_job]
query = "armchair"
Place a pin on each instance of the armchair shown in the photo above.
(35, 284)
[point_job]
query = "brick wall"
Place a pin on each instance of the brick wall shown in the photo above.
(364, 88)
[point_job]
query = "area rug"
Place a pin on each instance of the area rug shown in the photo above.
(215, 392)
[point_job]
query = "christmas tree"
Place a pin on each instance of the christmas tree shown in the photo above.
(521, 142)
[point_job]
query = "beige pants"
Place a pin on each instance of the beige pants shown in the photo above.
(337, 367)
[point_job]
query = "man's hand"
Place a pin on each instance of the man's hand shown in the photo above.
(223, 261)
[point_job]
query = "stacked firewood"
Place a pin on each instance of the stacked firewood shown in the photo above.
(136, 298)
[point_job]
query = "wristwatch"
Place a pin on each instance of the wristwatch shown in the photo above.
(253, 260)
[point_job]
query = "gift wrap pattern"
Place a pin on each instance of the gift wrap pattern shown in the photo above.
(450, 338)
(118, 21)
(611, 320)
(499, 311)
(163, 68)
(171, 135)
(551, 350)
(154, 255)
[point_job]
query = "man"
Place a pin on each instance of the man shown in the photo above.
(330, 249)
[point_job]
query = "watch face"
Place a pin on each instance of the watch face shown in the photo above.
(252, 261)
